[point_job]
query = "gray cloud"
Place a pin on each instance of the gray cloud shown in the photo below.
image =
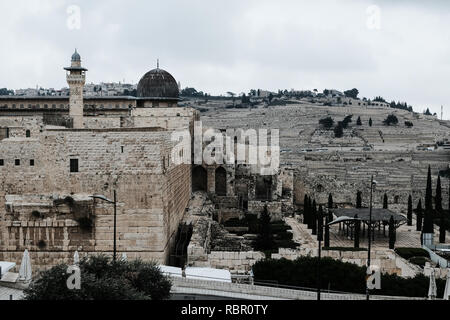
(220, 46)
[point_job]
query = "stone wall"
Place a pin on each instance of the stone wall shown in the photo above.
(152, 193)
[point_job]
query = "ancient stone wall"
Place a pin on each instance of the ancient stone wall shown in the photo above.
(152, 193)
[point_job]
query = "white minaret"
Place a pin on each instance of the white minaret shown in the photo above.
(76, 78)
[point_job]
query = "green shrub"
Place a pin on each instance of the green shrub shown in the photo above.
(420, 261)
(326, 122)
(284, 236)
(344, 248)
(338, 276)
(102, 279)
(407, 253)
(390, 119)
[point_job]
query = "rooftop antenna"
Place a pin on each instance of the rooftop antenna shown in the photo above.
(442, 112)
(157, 63)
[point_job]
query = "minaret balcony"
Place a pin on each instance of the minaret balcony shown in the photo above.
(76, 78)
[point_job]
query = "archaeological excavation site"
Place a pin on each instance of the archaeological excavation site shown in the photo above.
(335, 177)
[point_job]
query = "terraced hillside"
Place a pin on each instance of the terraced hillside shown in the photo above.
(344, 165)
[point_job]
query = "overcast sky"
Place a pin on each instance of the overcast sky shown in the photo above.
(397, 49)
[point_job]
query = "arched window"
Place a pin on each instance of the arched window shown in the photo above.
(221, 181)
(396, 199)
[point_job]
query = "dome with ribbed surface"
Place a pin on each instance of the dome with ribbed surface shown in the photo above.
(158, 83)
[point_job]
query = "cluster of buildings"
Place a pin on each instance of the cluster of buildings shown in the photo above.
(90, 90)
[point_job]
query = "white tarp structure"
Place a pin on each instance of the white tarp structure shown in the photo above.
(209, 274)
(447, 287)
(171, 271)
(432, 290)
(76, 258)
(5, 266)
(25, 267)
(124, 257)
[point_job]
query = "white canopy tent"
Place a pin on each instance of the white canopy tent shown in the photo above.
(171, 271)
(208, 274)
(5, 266)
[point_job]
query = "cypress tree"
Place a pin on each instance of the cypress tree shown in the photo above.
(439, 210)
(330, 201)
(330, 206)
(419, 216)
(305, 209)
(320, 224)
(442, 229)
(428, 217)
(314, 218)
(358, 122)
(409, 215)
(358, 200)
(265, 236)
(327, 233)
(391, 233)
(370, 122)
(438, 199)
(309, 214)
(385, 201)
(357, 231)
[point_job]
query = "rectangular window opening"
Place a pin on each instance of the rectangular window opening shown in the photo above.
(73, 165)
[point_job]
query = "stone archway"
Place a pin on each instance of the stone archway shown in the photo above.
(199, 179)
(221, 181)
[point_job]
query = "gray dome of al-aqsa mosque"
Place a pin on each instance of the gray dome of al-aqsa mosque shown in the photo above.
(158, 83)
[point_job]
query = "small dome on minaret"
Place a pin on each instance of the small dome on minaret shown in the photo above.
(76, 56)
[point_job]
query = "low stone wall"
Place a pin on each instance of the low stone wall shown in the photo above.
(387, 260)
(234, 261)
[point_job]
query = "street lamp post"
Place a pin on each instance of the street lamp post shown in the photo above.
(115, 224)
(369, 231)
(114, 202)
(319, 238)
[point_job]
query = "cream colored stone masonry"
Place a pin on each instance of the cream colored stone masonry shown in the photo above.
(135, 161)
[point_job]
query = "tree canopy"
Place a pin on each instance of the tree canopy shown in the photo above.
(102, 279)
(353, 93)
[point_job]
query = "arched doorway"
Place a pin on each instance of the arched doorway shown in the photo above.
(199, 179)
(221, 181)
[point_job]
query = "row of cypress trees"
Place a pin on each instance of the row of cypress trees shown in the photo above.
(314, 219)
(425, 217)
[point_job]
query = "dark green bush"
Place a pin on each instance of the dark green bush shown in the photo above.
(420, 261)
(407, 253)
(344, 248)
(338, 276)
(284, 236)
(103, 279)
